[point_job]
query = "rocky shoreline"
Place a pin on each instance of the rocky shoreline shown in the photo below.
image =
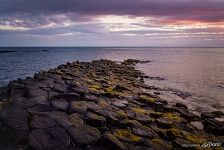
(99, 105)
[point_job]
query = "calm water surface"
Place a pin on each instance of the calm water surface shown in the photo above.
(197, 71)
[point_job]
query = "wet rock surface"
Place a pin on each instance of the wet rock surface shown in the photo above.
(98, 105)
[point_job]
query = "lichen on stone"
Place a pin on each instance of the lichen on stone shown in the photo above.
(103, 103)
(109, 89)
(177, 133)
(159, 144)
(155, 114)
(95, 87)
(127, 136)
(172, 116)
(147, 99)
(140, 110)
(122, 114)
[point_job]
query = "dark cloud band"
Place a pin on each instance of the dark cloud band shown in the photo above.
(206, 10)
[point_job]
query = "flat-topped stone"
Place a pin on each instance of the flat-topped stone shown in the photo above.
(59, 104)
(49, 138)
(84, 134)
(78, 107)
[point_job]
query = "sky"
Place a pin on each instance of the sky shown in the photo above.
(154, 23)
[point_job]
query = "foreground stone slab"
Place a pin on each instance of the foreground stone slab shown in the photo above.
(42, 122)
(84, 134)
(78, 106)
(49, 138)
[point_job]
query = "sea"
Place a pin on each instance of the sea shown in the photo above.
(193, 76)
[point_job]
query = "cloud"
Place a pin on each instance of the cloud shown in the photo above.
(84, 19)
(205, 10)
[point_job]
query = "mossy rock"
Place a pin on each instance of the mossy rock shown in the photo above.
(103, 103)
(89, 81)
(144, 131)
(155, 114)
(164, 123)
(122, 114)
(147, 99)
(75, 119)
(158, 144)
(195, 138)
(95, 87)
(121, 88)
(111, 141)
(126, 135)
(140, 110)
(109, 89)
(172, 117)
(95, 91)
(176, 133)
(129, 123)
(94, 119)
(78, 106)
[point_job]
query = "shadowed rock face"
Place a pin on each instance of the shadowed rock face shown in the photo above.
(98, 105)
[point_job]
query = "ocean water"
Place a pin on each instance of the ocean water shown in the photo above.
(199, 72)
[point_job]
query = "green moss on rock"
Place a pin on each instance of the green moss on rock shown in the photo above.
(176, 133)
(157, 143)
(172, 116)
(122, 114)
(147, 99)
(127, 136)
(95, 87)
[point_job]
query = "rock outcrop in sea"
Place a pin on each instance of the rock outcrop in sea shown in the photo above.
(98, 105)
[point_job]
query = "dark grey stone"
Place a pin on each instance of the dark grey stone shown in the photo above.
(50, 138)
(42, 122)
(78, 107)
(42, 100)
(37, 92)
(84, 134)
(111, 142)
(59, 104)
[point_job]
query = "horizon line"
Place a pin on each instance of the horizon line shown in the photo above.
(111, 46)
